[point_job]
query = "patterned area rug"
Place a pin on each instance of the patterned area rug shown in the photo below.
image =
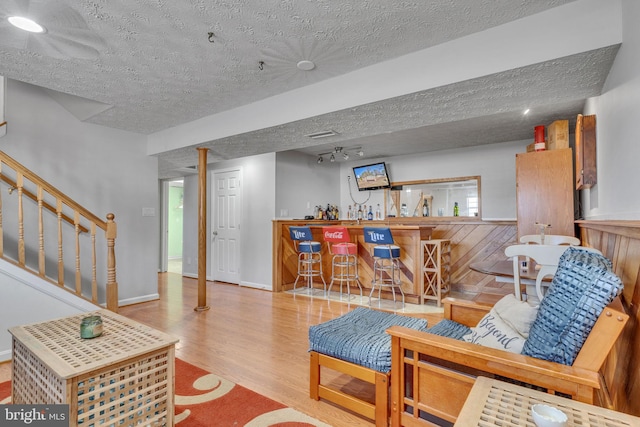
(204, 399)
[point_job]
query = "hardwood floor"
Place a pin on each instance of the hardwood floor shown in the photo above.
(255, 338)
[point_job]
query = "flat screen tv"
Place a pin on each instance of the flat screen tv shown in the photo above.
(372, 177)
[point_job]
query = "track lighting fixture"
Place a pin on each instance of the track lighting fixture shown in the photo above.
(346, 153)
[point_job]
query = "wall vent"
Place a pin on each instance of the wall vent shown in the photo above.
(322, 134)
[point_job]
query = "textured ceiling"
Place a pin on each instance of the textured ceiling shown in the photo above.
(149, 65)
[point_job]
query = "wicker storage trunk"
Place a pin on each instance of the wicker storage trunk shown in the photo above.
(123, 377)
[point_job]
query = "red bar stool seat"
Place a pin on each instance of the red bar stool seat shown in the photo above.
(344, 248)
(344, 261)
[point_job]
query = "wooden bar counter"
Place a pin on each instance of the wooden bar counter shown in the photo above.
(408, 237)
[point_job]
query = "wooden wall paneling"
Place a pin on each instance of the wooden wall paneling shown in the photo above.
(474, 244)
(633, 386)
(471, 242)
(620, 242)
(286, 259)
(365, 267)
(627, 266)
(276, 255)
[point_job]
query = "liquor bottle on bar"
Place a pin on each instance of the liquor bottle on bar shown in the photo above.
(360, 212)
(456, 209)
(349, 213)
(378, 212)
(370, 214)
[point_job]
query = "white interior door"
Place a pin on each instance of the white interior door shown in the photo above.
(225, 239)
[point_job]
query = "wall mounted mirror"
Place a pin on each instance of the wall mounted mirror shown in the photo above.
(434, 197)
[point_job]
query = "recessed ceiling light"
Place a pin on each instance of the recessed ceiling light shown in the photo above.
(26, 24)
(306, 65)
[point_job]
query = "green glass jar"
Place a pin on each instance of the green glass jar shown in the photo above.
(91, 327)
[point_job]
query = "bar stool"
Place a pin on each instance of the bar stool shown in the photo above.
(309, 256)
(386, 262)
(344, 261)
(436, 269)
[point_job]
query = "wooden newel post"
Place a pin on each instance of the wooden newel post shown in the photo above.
(202, 230)
(112, 285)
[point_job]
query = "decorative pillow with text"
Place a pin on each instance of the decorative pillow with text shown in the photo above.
(505, 327)
(492, 331)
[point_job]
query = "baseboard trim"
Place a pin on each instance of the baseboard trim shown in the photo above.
(253, 285)
(261, 286)
(138, 300)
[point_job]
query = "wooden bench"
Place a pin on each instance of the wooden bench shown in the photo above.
(434, 374)
(377, 411)
(357, 345)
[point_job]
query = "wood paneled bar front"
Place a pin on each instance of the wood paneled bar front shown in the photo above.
(408, 237)
(472, 240)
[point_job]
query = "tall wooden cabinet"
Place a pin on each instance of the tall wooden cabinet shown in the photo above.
(544, 191)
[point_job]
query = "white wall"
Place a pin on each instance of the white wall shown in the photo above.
(617, 193)
(26, 300)
(104, 169)
(494, 163)
(258, 207)
(302, 184)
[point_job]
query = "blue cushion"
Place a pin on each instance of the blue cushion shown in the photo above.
(581, 288)
(450, 329)
(360, 337)
(384, 251)
(309, 246)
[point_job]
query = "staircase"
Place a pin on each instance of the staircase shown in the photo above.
(51, 245)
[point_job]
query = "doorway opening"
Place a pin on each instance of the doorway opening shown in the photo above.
(175, 203)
